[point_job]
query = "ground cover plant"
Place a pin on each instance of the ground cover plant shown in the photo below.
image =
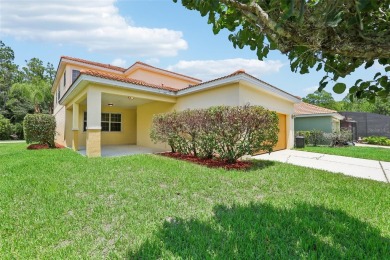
(371, 153)
(226, 132)
(378, 140)
(57, 204)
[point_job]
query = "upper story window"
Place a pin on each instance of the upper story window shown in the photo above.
(75, 74)
(64, 79)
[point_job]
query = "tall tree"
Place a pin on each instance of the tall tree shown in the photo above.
(322, 99)
(336, 36)
(9, 73)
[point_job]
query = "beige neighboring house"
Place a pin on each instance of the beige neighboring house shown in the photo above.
(97, 104)
(310, 117)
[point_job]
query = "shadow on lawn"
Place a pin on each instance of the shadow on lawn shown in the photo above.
(263, 231)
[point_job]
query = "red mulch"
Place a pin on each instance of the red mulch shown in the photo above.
(43, 146)
(211, 163)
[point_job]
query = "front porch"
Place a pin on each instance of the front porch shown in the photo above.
(107, 122)
(122, 150)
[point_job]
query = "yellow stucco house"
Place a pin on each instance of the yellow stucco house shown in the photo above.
(97, 104)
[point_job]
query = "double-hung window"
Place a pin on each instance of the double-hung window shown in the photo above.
(110, 122)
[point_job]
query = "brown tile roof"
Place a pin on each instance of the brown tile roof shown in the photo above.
(124, 79)
(150, 66)
(98, 64)
(309, 109)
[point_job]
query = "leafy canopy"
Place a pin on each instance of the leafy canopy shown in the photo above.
(335, 36)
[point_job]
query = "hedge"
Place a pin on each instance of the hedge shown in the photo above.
(229, 132)
(39, 128)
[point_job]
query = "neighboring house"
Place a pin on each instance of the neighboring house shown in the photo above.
(98, 104)
(309, 117)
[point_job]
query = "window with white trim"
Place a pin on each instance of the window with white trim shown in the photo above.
(110, 122)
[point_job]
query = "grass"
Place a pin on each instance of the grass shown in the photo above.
(56, 204)
(371, 153)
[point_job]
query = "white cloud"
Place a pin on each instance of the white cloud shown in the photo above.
(96, 25)
(119, 62)
(210, 69)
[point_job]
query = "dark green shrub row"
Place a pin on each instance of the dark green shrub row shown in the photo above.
(39, 128)
(229, 132)
(378, 140)
(313, 137)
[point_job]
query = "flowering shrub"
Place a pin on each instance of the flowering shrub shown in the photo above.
(230, 132)
(39, 128)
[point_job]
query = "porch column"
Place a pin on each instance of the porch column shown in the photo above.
(94, 108)
(75, 127)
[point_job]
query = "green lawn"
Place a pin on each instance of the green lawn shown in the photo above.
(372, 153)
(59, 205)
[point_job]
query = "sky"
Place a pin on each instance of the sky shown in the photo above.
(158, 32)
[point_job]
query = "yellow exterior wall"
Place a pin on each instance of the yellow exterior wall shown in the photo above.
(128, 135)
(60, 117)
(144, 122)
(227, 95)
(158, 79)
(255, 96)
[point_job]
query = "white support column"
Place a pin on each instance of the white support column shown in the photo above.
(75, 127)
(94, 109)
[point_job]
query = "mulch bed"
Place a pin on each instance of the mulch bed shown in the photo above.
(211, 163)
(43, 146)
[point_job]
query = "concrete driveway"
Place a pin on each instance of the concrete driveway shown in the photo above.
(361, 168)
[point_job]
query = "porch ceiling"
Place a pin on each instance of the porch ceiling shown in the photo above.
(121, 101)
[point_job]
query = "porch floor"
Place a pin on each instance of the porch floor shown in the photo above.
(123, 150)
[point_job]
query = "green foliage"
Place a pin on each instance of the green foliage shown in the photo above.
(305, 134)
(378, 140)
(230, 132)
(316, 137)
(339, 138)
(321, 99)
(378, 106)
(17, 131)
(25, 90)
(40, 128)
(335, 37)
(5, 128)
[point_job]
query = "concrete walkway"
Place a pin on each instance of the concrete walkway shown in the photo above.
(361, 168)
(123, 150)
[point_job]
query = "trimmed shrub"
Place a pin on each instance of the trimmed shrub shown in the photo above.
(5, 128)
(316, 137)
(230, 132)
(39, 128)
